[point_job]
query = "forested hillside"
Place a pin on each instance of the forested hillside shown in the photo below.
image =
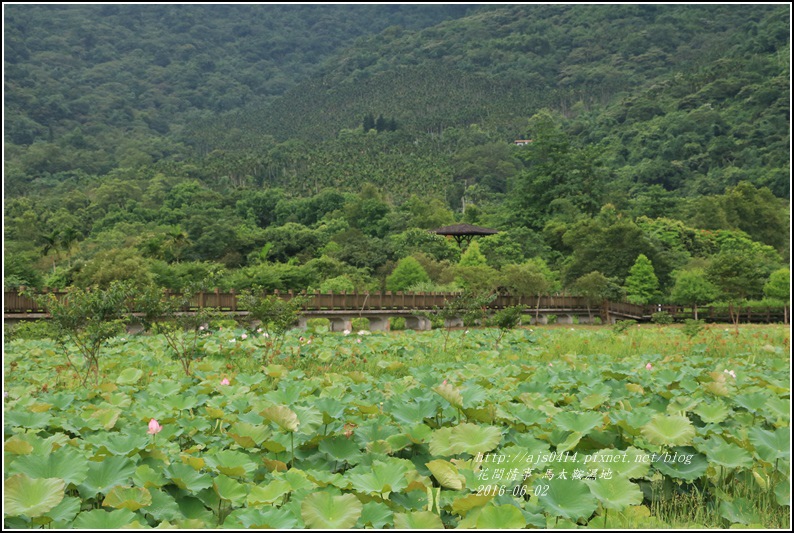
(299, 147)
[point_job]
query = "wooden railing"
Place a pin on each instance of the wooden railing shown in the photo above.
(19, 306)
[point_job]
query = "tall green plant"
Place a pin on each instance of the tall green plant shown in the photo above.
(273, 315)
(87, 319)
(168, 315)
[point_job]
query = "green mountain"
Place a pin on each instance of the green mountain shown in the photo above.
(296, 146)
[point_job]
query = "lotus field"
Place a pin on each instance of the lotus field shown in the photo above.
(568, 427)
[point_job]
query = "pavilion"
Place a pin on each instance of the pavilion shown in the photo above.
(463, 232)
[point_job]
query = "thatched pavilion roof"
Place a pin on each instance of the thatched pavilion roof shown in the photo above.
(463, 232)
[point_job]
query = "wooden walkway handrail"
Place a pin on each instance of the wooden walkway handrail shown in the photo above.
(361, 303)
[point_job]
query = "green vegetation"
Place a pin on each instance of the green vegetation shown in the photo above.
(289, 147)
(388, 430)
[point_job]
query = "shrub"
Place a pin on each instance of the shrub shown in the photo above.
(692, 327)
(87, 319)
(622, 325)
(662, 317)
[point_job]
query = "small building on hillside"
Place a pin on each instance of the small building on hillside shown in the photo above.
(463, 232)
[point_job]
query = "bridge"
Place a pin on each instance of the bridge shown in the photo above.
(415, 307)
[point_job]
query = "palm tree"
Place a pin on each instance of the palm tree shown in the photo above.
(51, 243)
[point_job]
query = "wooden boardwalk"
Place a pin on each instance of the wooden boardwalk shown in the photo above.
(379, 305)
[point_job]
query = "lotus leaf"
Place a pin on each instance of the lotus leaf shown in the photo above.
(500, 517)
(771, 445)
(446, 474)
(671, 430)
(103, 476)
(64, 463)
(417, 520)
(324, 510)
(132, 498)
(473, 439)
(724, 453)
(283, 416)
(566, 499)
(100, 519)
(31, 497)
(229, 489)
(616, 493)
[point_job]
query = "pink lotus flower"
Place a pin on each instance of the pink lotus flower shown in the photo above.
(154, 427)
(731, 373)
(243, 336)
(225, 381)
(445, 382)
(648, 366)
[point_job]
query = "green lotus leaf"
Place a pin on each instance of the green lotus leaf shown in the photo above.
(471, 501)
(783, 494)
(129, 376)
(25, 496)
(248, 435)
(27, 419)
(269, 493)
(64, 512)
(122, 443)
(17, 446)
(231, 463)
(771, 445)
(725, 454)
(324, 510)
(446, 474)
(570, 442)
(283, 416)
(473, 439)
(678, 469)
(673, 430)
(179, 402)
(528, 417)
(630, 463)
(501, 517)
(105, 475)
(579, 422)
(593, 400)
(64, 463)
(107, 417)
(101, 519)
(263, 518)
(165, 389)
(341, 448)
(229, 489)
(441, 442)
(739, 511)
(331, 409)
(615, 493)
(778, 409)
(410, 413)
(451, 394)
(376, 515)
(132, 498)
(712, 412)
(473, 395)
(417, 520)
(381, 478)
(754, 402)
(163, 506)
(186, 477)
(566, 499)
(298, 480)
(146, 476)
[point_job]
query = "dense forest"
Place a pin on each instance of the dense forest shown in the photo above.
(313, 146)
